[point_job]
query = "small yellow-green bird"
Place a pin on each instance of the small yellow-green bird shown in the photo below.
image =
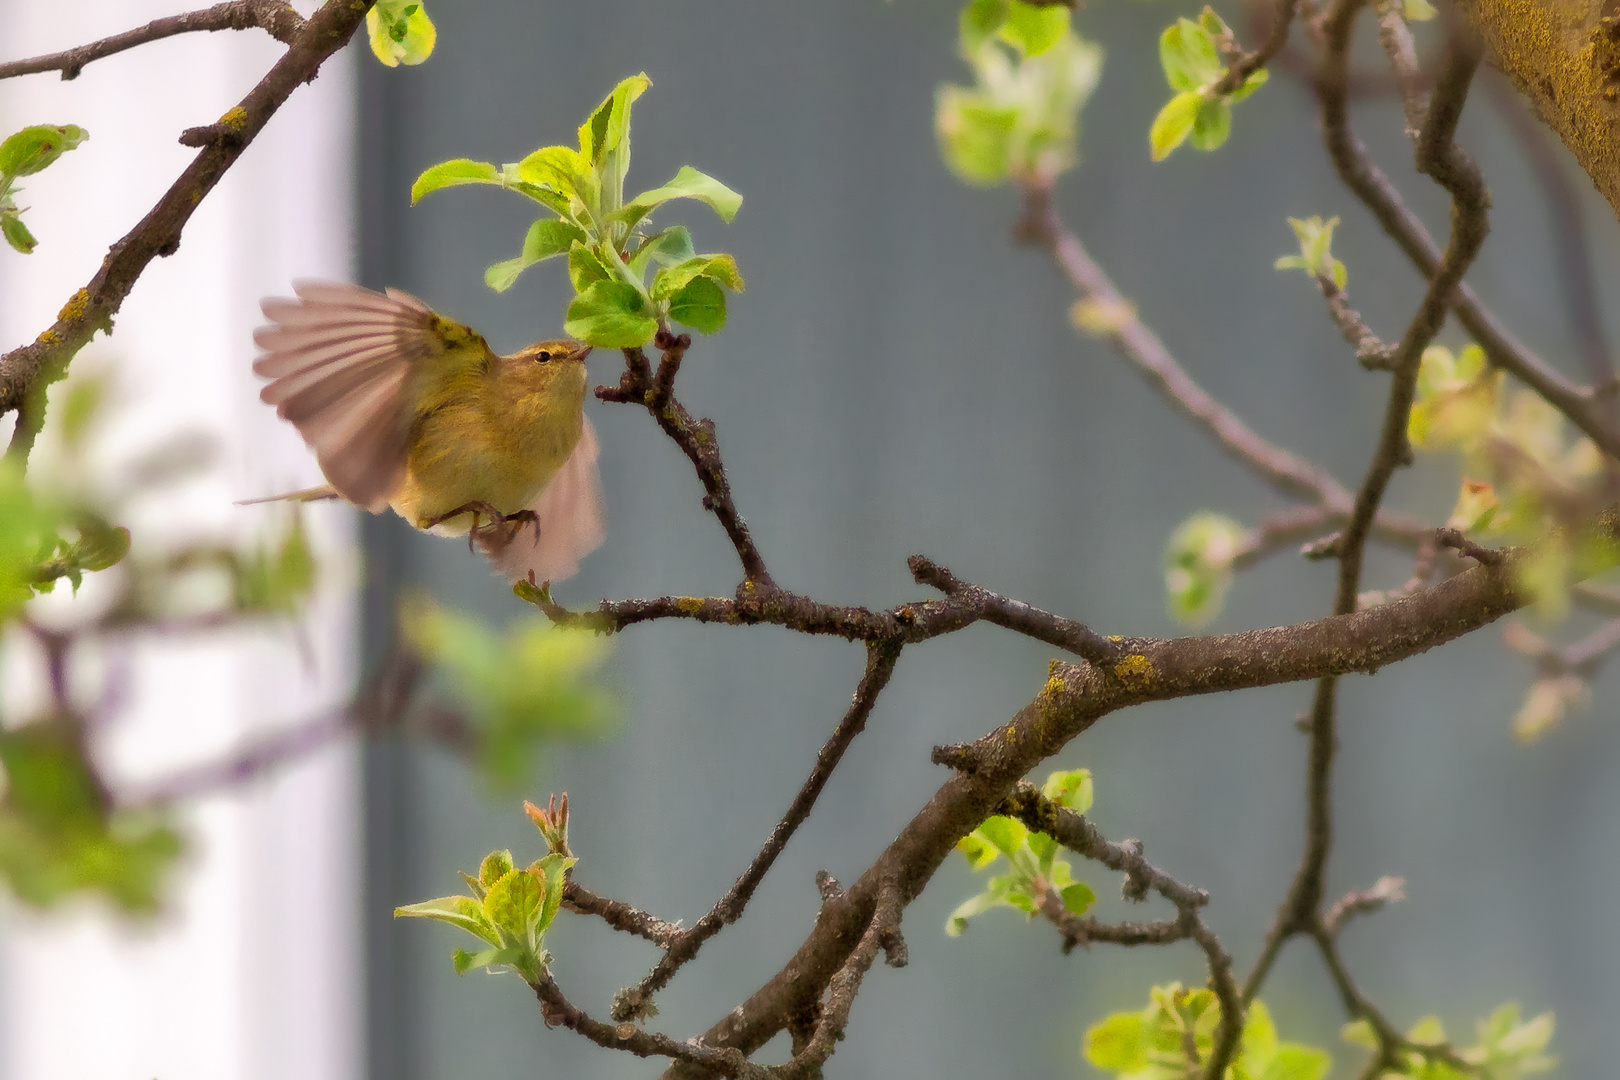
(409, 410)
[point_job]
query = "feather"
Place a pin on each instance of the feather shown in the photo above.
(569, 513)
(340, 359)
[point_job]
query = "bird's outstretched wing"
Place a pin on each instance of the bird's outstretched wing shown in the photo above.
(569, 525)
(340, 360)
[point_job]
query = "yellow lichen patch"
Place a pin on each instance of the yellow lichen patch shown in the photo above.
(689, 605)
(235, 119)
(49, 337)
(74, 307)
(1135, 671)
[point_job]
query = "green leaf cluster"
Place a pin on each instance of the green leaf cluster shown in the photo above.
(1509, 1048)
(1198, 566)
(1190, 52)
(509, 911)
(1173, 1037)
(24, 154)
(1032, 76)
(1315, 250)
(59, 837)
(610, 245)
(1034, 870)
(1540, 473)
(520, 688)
(400, 32)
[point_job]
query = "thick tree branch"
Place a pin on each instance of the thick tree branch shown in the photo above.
(1564, 56)
(1074, 698)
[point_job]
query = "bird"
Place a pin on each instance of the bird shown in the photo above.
(408, 410)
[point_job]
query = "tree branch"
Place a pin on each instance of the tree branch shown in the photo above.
(632, 1003)
(158, 233)
(275, 17)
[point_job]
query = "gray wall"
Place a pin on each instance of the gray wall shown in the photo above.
(898, 378)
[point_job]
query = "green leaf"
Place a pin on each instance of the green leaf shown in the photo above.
(1119, 1044)
(667, 248)
(516, 958)
(671, 280)
(546, 237)
(1419, 11)
(1294, 1062)
(979, 851)
(975, 137)
(1254, 82)
(699, 304)
(1189, 56)
(1078, 897)
(553, 870)
(562, 169)
(514, 903)
(610, 314)
(1174, 123)
(33, 148)
(1212, 124)
(1359, 1033)
(608, 125)
(400, 32)
(1071, 788)
(496, 865)
(1005, 833)
(585, 269)
(16, 233)
(979, 21)
(1198, 565)
(688, 183)
(957, 923)
(462, 911)
(1034, 29)
(452, 174)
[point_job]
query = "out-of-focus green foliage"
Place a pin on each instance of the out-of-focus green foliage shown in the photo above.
(58, 834)
(1198, 566)
(519, 688)
(607, 237)
(1509, 1048)
(1173, 1037)
(1032, 76)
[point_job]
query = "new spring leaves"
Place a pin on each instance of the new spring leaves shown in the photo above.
(1191, 53)
(605, 236)
(23, 154)
(510, 910)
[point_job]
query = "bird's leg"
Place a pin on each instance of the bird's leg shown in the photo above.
(509, 524)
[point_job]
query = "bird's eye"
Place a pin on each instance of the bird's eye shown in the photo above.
(543, 356)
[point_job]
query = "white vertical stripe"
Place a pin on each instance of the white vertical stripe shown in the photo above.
(253, 973)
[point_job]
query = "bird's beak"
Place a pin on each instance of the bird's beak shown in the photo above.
(583, 353)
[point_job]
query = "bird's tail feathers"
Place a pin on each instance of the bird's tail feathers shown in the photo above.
(314, 494)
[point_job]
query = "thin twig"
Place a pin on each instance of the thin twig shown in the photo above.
(158, 233)
(696, 438)
(633, 1002)
(619, 915)
(275, 17)
(1132, 339)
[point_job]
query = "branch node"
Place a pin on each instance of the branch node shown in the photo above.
(1454, 539)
